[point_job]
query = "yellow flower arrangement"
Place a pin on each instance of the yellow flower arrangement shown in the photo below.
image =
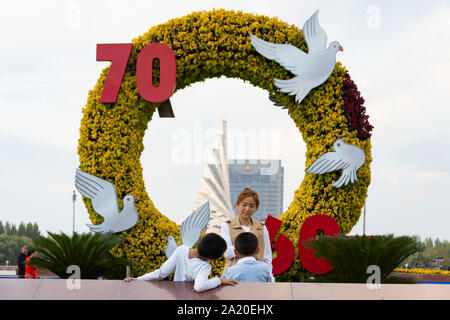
(207, 45)
(423, 271)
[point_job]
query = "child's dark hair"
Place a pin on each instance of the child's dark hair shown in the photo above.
(211, 246)
(246, 243)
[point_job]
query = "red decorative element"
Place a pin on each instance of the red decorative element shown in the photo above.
(283, 245)
(286, 254)
(272, 225)
(309, 229)
(118, 54)
(354, 109)
(167, 74)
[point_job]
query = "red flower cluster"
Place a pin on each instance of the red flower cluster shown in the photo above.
(354, 109)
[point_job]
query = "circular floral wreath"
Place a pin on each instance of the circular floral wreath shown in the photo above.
(208, 45)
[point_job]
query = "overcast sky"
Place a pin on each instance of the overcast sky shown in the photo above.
(397, 54)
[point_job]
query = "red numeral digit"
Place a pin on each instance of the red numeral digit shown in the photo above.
(144, 72)
(309, 230)
(118, 54)
(283, 245)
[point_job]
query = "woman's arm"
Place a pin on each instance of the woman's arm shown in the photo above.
(267, 249)
(225, 233)
(268, 252)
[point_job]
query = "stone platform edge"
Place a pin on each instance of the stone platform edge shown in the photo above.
(62, 289)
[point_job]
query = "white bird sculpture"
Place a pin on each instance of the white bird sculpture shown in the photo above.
(104, 201)
(190, 229)
(171, 246)
(346, 156)
(312, 68)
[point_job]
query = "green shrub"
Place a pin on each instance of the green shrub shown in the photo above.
(351, 256)
(90, 252)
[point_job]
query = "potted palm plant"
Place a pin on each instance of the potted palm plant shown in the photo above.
(90, 252)
(351, 256)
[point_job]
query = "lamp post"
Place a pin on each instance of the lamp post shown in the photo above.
(74, 198)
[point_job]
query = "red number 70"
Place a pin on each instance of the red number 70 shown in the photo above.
(119, 53)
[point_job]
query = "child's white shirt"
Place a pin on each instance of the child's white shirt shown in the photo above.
(195, 269)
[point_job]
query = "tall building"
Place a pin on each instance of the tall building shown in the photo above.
(224, 180)
(266, 177)
(215, 187)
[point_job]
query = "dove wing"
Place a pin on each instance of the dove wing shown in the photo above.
(288, 56)
(348, 175)
(330, 161)
(171, 246)
(194, 225)
(101, 192)
(314, 35)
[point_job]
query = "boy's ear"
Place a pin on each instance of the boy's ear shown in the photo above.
(257, 251)
(236, 252)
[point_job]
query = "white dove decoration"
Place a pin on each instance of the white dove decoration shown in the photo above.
(104, 201)
(190, 229)
(171, 246)
(346, 156)
(312, 68)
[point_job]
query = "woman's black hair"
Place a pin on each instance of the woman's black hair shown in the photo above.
(211, 246)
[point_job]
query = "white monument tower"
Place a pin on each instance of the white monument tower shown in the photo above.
(215, 185)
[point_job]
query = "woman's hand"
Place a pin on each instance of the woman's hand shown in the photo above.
(230, 282)
(129, 279)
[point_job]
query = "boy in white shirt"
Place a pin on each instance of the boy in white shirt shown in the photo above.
(193, 264)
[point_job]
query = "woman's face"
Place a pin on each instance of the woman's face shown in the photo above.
(247, 207)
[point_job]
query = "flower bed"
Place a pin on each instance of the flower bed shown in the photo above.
(424, 275)
(423, 271)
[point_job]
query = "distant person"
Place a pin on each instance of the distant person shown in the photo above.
(193, 264)
(248, 269)
(30, 270)
(21, 261)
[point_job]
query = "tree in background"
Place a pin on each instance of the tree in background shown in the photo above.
(13, 238)
(429, 250)
(10, 246)
(12, 230)
(21, 230)
(29, 230)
